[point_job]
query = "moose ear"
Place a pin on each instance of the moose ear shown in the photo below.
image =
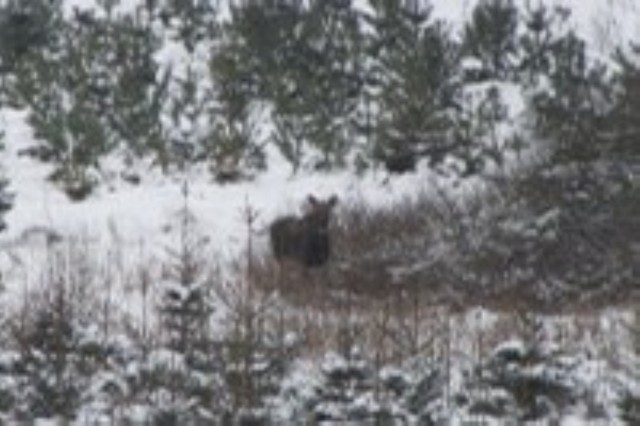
(313, 201)
(333, 200)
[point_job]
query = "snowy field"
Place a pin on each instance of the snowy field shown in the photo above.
(143, 217)
(139, 225)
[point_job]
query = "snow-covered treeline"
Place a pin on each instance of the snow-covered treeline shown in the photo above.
(483, 162)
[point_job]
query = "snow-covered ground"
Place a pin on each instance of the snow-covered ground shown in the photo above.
(144, 213)
(143, 221)
(143, 217)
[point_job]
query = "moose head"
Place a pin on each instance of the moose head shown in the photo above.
(304, 239)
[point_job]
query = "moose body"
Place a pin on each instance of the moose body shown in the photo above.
(304, 239)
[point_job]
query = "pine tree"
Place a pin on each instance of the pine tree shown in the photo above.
(191, 21)
(491, 36)
(232, 143)
(58, 344)
(29, 30)
(572, 109)
(61, 88)
(620, 152)
(133, 88)
(26, 26)
(6, 201)
(623, 145)
(92, 91)
(476, 143)
(414, 77)
(185, 305)
(543, 28)
(302, 59)
(570, 216)
(347, 391)
(185, 309)
(629, 407)
(258, 46)
(6, 197)
(331, 54)
(251, 65)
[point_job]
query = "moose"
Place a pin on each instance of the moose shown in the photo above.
(304, 239)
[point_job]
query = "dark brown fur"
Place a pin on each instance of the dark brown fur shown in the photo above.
(305, 239)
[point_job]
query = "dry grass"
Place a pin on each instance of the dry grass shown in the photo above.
(351, 303)
(453, 254)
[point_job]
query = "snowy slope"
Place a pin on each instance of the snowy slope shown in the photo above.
(141, 222)
(144, 210)
(143, 217)
(603, 23)
(141, 213)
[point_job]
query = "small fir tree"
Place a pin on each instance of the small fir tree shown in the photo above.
(414, 75)
(491, 36)
(6, 201)
(543, 27)
(185, 308)
(6, 197)
(26, 27)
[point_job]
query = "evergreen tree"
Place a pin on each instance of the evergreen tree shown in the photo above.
(132, 87)
(61, 89)
(29, 31)
(252, 63)
(6, 197)
(414, 76)
(622, 142)
(185, 309)
(94, 91)
(186, 107)
(328, 80)
(572, 108)
(185, 305)
(491, 36)
(59, 351)
(629, 407)
(6, 202)
(26, 26)
(568, 220)
(258, 46)
(302, 59)
(543, 28)
(521, 382)
(232, 143)
(476, 143)
(191, 21)
(347, 391)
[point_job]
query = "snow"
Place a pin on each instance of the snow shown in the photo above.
(141, 222)
(143, 217)
(126, 229)
(603, 23)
